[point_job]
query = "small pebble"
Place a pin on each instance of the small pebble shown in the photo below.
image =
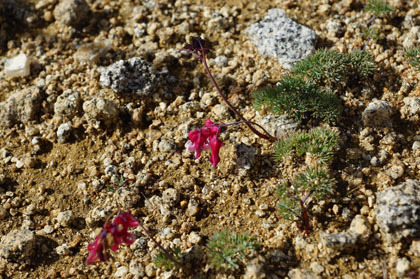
(18, 66)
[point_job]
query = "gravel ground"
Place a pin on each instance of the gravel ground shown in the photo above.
(96, 102)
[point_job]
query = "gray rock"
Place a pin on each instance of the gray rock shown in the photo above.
(170, 196)
(220, 111)
(97, 216)
(194, 238)
(134, 75)
(255, 270)
(63, 249)
(22, 106)
(65, 218)
(402, 266)
(411, 106)
(17, 245)
(279, 126)
(101, 109)
(192, 208)
(18, 66)
(155, 203)
(279, 36)
(64, 132)
(339, 241)
(68, 104)
(317, 268)
(166, 145)
(398, 211)
(111, 170)
(121, 272)
(136, 268)
(72, 12)
(125, 197)
(360, 226)
(299, 273)
(377, 114)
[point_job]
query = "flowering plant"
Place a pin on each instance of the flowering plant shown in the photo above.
(204, 139)
(112, 236)
(116, 233)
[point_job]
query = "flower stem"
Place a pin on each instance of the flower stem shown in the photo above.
(266, 136)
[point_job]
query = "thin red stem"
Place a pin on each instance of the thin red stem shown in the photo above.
(266, 136)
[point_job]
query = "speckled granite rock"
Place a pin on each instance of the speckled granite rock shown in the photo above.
(22, 106)
(134, 75)
(17, 245)
(398, 211)
(279, 36)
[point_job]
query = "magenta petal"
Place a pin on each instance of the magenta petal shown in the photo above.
(215, 145)
(95, 249)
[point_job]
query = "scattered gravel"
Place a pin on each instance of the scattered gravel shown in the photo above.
(107, 81)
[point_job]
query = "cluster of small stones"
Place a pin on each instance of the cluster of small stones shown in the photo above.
(98, 123)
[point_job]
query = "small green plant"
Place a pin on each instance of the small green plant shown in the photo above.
(414, 57)
(372, 33)
(378, 7)
(362, 64)
(331, 68)
(300, 99)
(161, 260)
(314, 181)
(227, 250)
(320, 142)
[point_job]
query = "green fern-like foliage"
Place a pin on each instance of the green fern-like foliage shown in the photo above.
(378, 7)
(331, 68)
(324, 66)
(320, 142)
(314, 180)
(414, 57)
(226, 250)
(362, 63)
(162, 261)
(317, 180)
(300, 99)
(288, 205)
(372, 34)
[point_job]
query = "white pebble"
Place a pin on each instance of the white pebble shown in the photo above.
(18, 66)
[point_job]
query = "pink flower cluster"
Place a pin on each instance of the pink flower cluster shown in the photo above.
(204, 139)
(112, 236)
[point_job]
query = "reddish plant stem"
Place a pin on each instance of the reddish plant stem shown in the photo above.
(266, 136)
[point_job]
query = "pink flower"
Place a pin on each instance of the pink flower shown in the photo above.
(204, 139)
(98, 249)
(113, 235)
(119, 229)
(215, 145)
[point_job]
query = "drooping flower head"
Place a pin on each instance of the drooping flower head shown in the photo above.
(197, 47)
(206, 138)
(112, 236)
